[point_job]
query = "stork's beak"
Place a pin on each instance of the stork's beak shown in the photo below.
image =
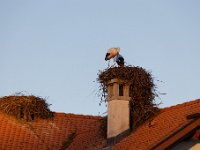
(106, 58)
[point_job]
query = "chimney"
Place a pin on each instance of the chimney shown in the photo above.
(118, 107)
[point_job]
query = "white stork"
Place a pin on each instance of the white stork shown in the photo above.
(114, 53)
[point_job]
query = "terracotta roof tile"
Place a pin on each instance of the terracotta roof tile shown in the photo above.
(165, 123)
(48, 134)
(51, 134)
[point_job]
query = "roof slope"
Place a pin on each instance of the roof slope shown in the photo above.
(168, 121)
(78, 132)
(51, 134)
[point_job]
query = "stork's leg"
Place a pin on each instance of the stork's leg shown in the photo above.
(108, 63)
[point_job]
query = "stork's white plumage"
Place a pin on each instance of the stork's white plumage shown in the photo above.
(114, 53)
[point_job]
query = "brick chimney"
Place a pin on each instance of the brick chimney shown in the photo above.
(118, 108)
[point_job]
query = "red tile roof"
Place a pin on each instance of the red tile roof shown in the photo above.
(168, 121)
(87, 130)
(51, 134)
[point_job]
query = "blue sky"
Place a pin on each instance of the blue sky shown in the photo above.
(55, 48)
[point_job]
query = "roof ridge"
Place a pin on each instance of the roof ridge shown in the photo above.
(77, 115)
(181, 105)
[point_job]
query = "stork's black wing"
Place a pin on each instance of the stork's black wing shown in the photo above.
(120, 60)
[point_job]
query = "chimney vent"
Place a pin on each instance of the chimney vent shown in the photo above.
(130, 96)
(118, 107)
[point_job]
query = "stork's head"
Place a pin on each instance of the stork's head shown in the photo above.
(112, 52)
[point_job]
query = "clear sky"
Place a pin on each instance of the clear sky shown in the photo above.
(55, 48)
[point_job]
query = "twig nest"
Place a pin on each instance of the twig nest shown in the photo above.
(142, 90)
(27, 108)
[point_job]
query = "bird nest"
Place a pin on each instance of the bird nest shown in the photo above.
(142, 91)
(27, 108)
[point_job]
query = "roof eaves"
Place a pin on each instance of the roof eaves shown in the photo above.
(175, 136)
